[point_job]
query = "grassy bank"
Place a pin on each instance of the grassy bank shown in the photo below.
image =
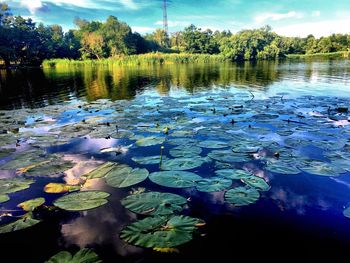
(340, 54)
(144, 59)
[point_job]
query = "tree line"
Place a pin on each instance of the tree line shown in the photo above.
(24, 42)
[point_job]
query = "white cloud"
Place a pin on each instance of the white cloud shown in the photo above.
(32, 5)
(276, 16)
(130, 4)
(174, 23)
(316, 13)
(318, 29)
(142, 29)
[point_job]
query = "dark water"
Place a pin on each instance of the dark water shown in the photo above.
(299, 218)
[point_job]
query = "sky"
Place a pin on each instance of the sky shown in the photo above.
(287, 17)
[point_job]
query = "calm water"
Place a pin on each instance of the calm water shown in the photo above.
(300, 217)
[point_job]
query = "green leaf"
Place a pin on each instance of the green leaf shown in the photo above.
(185, 151)
(4, 198)
(215, 184)
(53, 167)
(24, 159)
(256, 182)
(154, 203)
(175, 179)
(82, 200)
(23, 223)
(101, 171)
(12, 185)
(320, 168)
(282, 168)
(150, 141)
(160, 232)
(180, 164)
(30, 205)
(241, 196)
(148, 159)
(213, 144)
(229, 156)
(126, 176)
(82, 256)
(234, 174)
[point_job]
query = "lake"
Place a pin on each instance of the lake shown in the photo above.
(176, 162)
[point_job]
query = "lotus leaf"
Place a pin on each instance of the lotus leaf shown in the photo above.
(49, 168)
(229, 156)
(154, 203)
(185, 151)
(82, 200)
(320, 168)
(24, 159)
(82, 256)
(282, 168)
(241, 196)
(148, 159)
(122, 177)
(23, 223)
(101, 171)
(215, 184)
(30, 205)
(180, 164)
(256, 182)
(175, 179)
(150, 141)
(160, 232)
(4, 198)
(8, 186)
(212, 144)
(57, 188)
(234, 174)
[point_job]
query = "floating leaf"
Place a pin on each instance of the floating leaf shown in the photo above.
(148, 159)
(282, 168)
(48, 168)
(4, 198)
(166, 250)
(154, 203)
(82, 256)
(57, 188)
(23, 223)
(150, 141)
(234, 174)
(212, 144)
(8, 186)
(82, 200)
(256, 182)
(25, 159)
(101, 171)
(6, 152)
(320, 168)
(229, 156)
(160, 232)
(185, 151)
(30, 205)
(180, 164)
(175, 179)
(126, 176)
(241, 196)
(215, 184)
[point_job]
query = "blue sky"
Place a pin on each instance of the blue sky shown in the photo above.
(287, 17)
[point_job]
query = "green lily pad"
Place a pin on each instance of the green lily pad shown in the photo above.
(209, 144)
(256, 182)
(24, 159)
(6, 152)
(175, 179)
(30, 205)
(282, 168)
(154, 203)
(148, 159)
(126, 176)
(227, 156)
(82, 201)
(101, 171)
(82, 256)
(4, 198)
(182, 141)
(50, 168)
(241, 196)
(320, 168)
(150, 141)
(234, 174)
(13, 185)
(180, 164)
(215, 184)
(185, 151)
(23, 223)
(160, 232)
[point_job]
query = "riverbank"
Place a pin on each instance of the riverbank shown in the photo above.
(340, 54)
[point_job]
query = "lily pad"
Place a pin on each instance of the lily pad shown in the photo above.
(4, 198)
(57, 188)
(185, 151)
(320, 168)
(82, 201)
(256, 182)
(150, 141)
(126, 176)
(147, 159)
(215, 184)
(101, 171)
(234, 174)
(13, 185)
(24, 159)
(82, 256)
(160, 232)
(30, 205)
(6, 152)
(175, 179)
(346, 212)
(49, 168)
(282, 168)
(209, 144)
(154, 203)
(23, 223)
(241, 196)
(227, 156)
(180, 164)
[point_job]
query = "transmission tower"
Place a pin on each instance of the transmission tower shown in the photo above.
(165, 18)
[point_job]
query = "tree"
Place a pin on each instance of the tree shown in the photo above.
(92, 45)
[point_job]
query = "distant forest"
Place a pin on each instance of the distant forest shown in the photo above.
(24, 42)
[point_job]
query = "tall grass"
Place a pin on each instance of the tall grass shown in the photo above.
(144, 59)
(339, 54)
